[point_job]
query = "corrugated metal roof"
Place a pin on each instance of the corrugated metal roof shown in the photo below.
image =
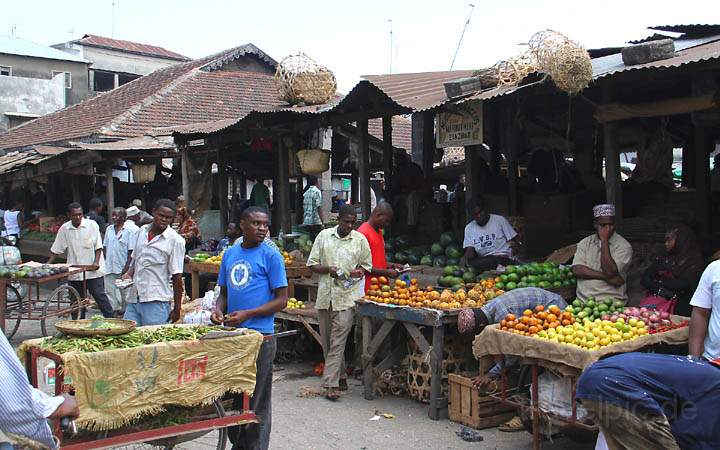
(687, 51)
(92, 40)
(691, 29)
(417, 91)
(13, 45)
(136, 143)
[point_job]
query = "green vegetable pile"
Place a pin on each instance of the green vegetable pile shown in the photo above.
(98, 322)
(135, 338)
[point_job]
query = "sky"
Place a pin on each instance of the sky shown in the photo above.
(351, 38)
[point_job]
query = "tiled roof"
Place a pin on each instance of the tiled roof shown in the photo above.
(401, 131)
(177, 95)
(13, 45)
(417, 91)
(92, 40)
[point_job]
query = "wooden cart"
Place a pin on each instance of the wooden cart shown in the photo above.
(207, 419)
(62, 301)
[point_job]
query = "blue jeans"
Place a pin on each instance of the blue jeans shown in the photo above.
(148, 313)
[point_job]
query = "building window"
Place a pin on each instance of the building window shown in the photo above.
(103, 81)
(68, 78)
(6, 70)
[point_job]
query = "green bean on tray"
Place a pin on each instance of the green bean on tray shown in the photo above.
(135, 338)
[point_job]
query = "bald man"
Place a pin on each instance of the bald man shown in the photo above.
(380, 217)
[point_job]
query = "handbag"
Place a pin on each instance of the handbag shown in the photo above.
(659, 303)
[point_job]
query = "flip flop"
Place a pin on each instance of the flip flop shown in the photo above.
(332, 394)
(512, 425)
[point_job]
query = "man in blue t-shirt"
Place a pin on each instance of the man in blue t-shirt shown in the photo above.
(253, 287)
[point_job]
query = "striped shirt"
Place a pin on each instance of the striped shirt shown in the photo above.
(23, 409)
(518, 300)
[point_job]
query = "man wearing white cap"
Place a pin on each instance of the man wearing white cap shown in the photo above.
(601, 260)
(135, 214)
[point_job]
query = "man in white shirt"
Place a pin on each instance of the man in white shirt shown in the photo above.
(488, 240)
(119, 242)
(704, 340)
(80, 238)
(157, 261)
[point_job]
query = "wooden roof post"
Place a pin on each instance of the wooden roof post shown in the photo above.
(364, 167)
(283, 186)
(222, 188)
(613, 186)
(702, 178)
(511, 153)
(185, 175)
(110, 191)
(387, 152)
(428, 144)
(473, 174)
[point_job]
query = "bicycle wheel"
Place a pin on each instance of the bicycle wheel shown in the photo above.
(64, 293)
(171, 443)
(10, 327)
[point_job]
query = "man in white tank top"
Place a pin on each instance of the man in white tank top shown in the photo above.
(13, 220)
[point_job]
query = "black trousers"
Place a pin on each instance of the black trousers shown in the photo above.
(256, 436)
(96, 286)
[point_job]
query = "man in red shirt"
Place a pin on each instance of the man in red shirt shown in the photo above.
(380, 217)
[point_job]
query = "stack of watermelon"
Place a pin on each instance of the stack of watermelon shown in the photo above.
(445, 252)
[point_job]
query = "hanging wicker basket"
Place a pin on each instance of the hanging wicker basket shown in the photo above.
(143, 173)
(303, 81)
(313, 161)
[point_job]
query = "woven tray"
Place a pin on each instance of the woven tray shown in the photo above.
(81, 327)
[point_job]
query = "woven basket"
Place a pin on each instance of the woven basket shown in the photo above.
(82, 327)
(143, 173)
(313, 161)
(303, 81)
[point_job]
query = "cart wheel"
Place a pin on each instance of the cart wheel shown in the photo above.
(170, 443)
(66, 294)
(10, 328)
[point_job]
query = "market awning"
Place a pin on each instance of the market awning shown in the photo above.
(146, 142)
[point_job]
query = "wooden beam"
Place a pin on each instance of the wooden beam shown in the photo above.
(416, 136)
(702, 178)
(473, 174)
(613, 187)
(428, 146)
(185, 176)
(364, 168)
(222, 188)
(75, 188)
(387, 152)
(110, 192)
(462, 86)
(282, 185)
(511, 153)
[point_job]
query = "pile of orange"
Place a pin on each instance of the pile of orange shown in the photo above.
(532, 322)
(400, 293)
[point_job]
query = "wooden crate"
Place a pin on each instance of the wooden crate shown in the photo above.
(468, 407)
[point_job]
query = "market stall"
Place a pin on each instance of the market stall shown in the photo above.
(178, 376)
(564, 348)
(20, 295)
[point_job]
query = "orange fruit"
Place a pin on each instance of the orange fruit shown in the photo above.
(551, 317)
(539, 308)
(554, 309)
(565, 322)
(503, 323)
(533, 329)
(527, 312)
(373, 280)
(525, 320)
(541, 315)
(510, 324)
(382, 280)
(413, 281)
(510, 317)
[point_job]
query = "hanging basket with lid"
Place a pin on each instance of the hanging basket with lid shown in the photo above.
(314, 161)
(303, 81)
(143, 173)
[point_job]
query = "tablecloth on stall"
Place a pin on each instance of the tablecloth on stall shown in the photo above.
(566, 359)
(114, 387)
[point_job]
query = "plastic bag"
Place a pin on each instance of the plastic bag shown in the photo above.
(555, 396)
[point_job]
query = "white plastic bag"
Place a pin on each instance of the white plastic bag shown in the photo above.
(555, 396)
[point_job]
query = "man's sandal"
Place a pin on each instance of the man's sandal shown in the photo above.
(332, 394)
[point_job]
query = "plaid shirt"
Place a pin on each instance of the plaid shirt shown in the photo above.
(518, 300)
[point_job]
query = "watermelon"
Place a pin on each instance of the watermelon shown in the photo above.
(439, 261)
(426, 260)
(437, 249)
(412, 259)
(453, 251)
(446, 239)
(453, 261)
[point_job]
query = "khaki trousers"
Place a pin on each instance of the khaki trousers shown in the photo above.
(334, 329)
(625, 430)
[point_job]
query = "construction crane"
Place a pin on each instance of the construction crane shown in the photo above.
(462, 35)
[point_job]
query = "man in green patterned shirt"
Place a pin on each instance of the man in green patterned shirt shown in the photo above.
(312, 210)
(341, 256)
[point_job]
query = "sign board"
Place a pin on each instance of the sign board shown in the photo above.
(460, 125)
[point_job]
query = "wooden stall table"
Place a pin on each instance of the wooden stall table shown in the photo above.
(307, 316)
(195, 269)
(310, 284)
(410, 319)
